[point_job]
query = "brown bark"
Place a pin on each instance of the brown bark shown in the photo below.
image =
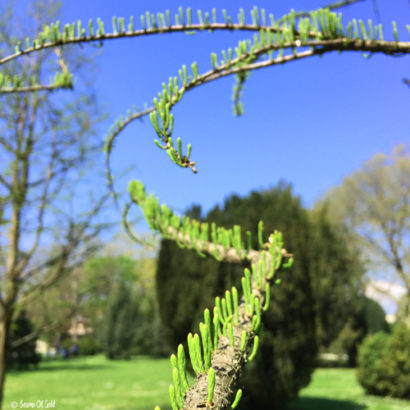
(228, 362)
(5, 321)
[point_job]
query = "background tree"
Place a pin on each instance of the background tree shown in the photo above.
(46, 144)
(337, 275)
(310, 301)
(374, 202)
(23, 355)
(366, 317)
(403, 310)
(58, 308)
(121, 321)
(106, 276)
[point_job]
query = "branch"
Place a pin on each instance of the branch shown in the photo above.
(218, 364)
(332, 6)
(239, 65)
(42, 207)
(61, 261)
(52, 37)
(138, 33)
(34, 335)
(33, 88)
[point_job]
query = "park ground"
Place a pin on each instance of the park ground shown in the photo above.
(96, 383)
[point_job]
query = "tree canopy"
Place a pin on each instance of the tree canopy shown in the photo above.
(374, 202)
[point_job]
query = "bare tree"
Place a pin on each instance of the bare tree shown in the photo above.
(374, 202)
(47, 145)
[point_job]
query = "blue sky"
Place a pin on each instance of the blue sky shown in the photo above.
(310, 122)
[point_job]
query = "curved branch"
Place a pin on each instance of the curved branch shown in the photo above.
(139, 33)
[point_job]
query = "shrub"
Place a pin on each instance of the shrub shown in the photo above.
(87, 345)
(367, 317)
(384, 363)
(23, 355)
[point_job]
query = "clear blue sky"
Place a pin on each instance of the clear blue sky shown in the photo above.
(310, 122)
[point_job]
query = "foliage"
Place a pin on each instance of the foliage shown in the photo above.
(52, 314)
(384, 363)
(231, 335)
(23, 355)
(403, 310)
(187, 284)
(87, 345)
(121, 320)
(366, 317)
(101, 278)
(374, 203)
(337, 271)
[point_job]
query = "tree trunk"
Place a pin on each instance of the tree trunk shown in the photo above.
(5, 317)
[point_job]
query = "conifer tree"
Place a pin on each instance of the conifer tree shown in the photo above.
(229, 335)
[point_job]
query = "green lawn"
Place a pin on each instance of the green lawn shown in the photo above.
(94, 383)
(337, 389)
(140, 384)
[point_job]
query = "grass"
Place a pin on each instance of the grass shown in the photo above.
(93, 383)
(140, 384)
(337, 389)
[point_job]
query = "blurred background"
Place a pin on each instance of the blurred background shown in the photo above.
(321, 153)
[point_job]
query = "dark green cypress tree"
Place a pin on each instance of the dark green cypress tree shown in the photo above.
(187, 284)
(23, 355)
(336, 275)
(121, 321)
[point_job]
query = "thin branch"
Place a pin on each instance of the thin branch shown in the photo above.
(318, 47)
(231, 353)
(33, 88)
(137, 33)
(5, 183)
(46, 328)
(332, 6)
(41, 210)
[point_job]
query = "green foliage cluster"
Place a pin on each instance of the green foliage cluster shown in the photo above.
(366, 317)
(23, 355)
(384, 363)
(311, 297)
(120, 324)
(109, 281)
(403, 310)
(236, 320)
(88, 346)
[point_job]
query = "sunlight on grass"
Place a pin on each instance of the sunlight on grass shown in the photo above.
(337, 389)
(94, 383)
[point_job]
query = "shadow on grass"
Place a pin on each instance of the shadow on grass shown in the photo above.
(313, 403)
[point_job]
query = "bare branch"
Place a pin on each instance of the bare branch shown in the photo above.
(33, 88)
